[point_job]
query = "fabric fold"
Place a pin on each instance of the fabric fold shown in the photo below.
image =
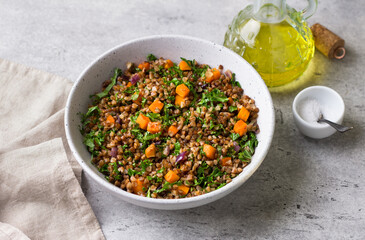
(40, 193)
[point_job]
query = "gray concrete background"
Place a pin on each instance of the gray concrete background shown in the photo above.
(305, 189)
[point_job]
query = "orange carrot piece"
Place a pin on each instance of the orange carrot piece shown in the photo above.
(110, 119)
(183, 190)
(143, 121)
(139, 98)
(144, 65)
(225, 161)
(230, 100)
(208, 76)
(151, 151)
(212, 74)
(156, 106)
(180, 101)
(240, 127)
(129, 84)
(184, 66)
(172, 130)
(138, 187)
(216, 74)
(171, 176)
(154, 127)
(182, 90)
(168, 64)
(243, 114)
(209, 151)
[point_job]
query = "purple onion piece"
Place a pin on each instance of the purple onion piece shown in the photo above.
(119, 121)
(158, 143)
(114, 152)
(134, 79)
(204, 86)
(181, 157)
(228, 74)
(236, 146)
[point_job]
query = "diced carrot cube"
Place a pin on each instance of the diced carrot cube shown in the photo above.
(151, 151)
(110, 119)
(209, 76)
(182, 90)
(168, 64)
(230, 100)
(183, 190)
(143, 121)
(240, 127)
(156, 106)
(139, 98)
(180, 101)
(129, 84)
(226, 161)
(212, 74)
(171, 176)
(138, 187)
(216, 74)
(243, 114)
(172, 130)
(209, 151)
(154, 127)
(184, 66)
(144, 65)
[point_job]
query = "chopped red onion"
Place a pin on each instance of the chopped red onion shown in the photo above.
(114, 152)
(119, 121)
(181, 157)
(134, 79)
(228, 74)
(236, 146)
(158, 143)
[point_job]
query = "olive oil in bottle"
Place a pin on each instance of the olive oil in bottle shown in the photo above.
(274, 38)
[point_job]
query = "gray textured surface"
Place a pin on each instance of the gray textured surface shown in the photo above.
(305, 189)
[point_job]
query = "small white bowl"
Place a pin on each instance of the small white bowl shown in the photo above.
(331, 105)
(172, 47)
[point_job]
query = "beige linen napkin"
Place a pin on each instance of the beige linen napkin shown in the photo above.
(40, 194)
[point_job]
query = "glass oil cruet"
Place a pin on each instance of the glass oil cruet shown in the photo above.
(274, 38)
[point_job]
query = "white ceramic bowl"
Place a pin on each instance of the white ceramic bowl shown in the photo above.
(172, 47)
(331, 104)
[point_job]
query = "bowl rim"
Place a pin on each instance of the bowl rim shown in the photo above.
(308, 125)
(216, 194)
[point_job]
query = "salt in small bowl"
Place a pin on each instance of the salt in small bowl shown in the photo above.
(306, 107)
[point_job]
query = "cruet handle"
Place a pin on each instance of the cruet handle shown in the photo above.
(310, 9)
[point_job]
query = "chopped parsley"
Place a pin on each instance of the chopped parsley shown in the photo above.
(234, 82)
(151, 57)
(232, 108)
(117, 73)
(197, 71)
(209, 98)
(177, 149)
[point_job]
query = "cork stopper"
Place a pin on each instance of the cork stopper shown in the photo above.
(327, 42)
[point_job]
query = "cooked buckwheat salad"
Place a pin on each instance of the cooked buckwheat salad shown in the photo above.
(169, 130)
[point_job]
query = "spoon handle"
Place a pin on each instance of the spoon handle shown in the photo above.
(336, 126)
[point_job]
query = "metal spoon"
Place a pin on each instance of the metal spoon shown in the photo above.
(336, 126)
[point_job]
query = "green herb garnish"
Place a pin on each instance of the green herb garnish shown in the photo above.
(104, 93)
(151, 57)
(209, 98)
(232, 108)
